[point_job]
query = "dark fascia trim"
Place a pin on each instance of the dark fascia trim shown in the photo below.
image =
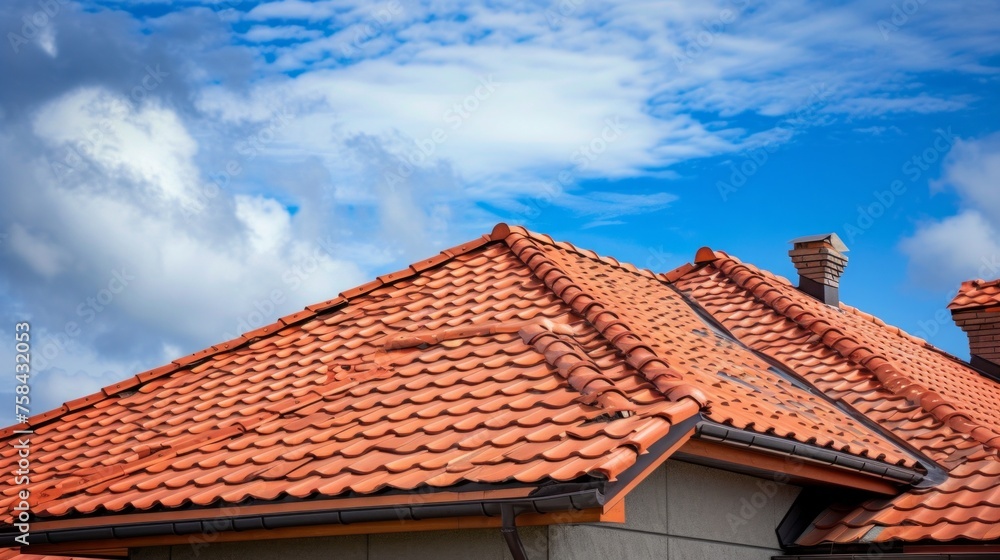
(960, 549)
(654, 453)
(715, 432)
(574, 499)
(986, 368)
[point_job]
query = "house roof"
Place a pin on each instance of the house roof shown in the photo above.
(464, 368)
(940, 405)
(515, 362)
(975, 294)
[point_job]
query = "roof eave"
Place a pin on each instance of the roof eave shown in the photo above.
(77, 536)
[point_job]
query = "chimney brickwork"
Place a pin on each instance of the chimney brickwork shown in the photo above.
(976, 310)
(820, 261)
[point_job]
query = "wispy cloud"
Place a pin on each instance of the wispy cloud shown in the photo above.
(966, 245)
(265, 34)
(493, 110)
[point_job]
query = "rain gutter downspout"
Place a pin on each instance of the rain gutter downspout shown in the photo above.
(509, 531)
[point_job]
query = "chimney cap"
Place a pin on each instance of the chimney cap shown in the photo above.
(832, 238)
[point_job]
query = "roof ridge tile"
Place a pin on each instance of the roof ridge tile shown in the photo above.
(637, 354)
(898, 331)
(500, 233)
(854, 350)
(593, 385)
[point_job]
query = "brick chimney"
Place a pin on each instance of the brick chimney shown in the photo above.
(820, 261)
(976, 309)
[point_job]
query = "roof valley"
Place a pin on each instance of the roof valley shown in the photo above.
(855, 351)
(935, 472)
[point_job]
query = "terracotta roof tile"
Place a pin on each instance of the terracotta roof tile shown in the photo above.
(466, 369)
(934, 401)
(681, 345)
(516, 359)
(15, 554)
(975, 294)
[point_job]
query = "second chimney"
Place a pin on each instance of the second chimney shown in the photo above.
(820, 261)
(976, 309)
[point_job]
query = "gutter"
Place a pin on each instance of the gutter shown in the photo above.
(732, 436)
(563, 497)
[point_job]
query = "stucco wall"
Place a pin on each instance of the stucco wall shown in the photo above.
(685, 512)
(681, 512)
(476, 544)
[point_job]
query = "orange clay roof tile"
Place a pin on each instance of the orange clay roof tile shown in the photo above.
(975, 294)
(513, 358)
(392, 385)
(15, 554)
(931, 399)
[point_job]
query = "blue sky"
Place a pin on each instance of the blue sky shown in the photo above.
(176, 173)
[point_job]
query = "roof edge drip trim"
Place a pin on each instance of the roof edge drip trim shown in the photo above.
(742, 438)
(549, 503)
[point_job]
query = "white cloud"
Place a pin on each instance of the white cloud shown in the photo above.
(653, 65)
(957, 248)
(877, 130)
(47, 40)
(147, 145)
(943, 253)
(295, 9)
(321, 104)
(265, 34)
(973, 169)
(134, 274)
(268, 223)
(920, 104)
